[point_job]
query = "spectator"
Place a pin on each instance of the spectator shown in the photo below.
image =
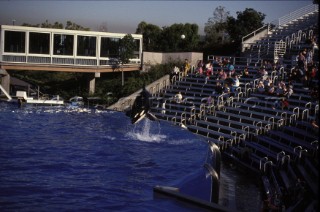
(235, 83)
(260, 87)
(271, 89)
(302, 61)
(210, 101)
(174, 73)
(289, 91)
(262, 73)
(311, 74)
(314, 44)
(218, 88)
(309, 57)
(208, 69)
(178, 97)
(222, 75)
(314, 93)
(230, 68)
(276, 105)
(269, 66)
(245, 72)
(226, 89)
(267, 82)
(284, 104)
(281, 89)
(295, 75)
(199, 67)
(315, 126)
(186, 67)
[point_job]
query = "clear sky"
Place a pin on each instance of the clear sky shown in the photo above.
(124, 16)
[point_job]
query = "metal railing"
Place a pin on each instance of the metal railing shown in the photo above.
(283, 21)
(252, 34)
(56, 60)
(295, 15)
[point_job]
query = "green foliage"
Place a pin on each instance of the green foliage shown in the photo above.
(151, 35)
(56, 25)
(134, 81)
(55, 83)
(69, 25)
(73, 26)
(246, 22)
(168, 39)
(216, 27)
(127, 46)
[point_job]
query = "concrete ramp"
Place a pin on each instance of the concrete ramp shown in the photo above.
(5, 93)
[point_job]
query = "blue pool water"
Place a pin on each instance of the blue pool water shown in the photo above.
(53, 159)
(57, 159)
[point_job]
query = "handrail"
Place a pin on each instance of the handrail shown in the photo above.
(254, 32)
(284, 20)
(295, 14)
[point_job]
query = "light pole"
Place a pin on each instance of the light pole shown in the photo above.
(13, 21)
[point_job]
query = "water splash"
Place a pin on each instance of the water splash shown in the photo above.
(146, 132)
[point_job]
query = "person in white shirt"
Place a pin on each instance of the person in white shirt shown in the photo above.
(178, 97)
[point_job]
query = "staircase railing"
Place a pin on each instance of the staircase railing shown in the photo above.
(252, 34)
(295, 14)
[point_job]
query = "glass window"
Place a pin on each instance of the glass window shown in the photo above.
(63, 44)
(137, 49)
(39, 43)
(86, 46)
(14, 41)
(110, 47)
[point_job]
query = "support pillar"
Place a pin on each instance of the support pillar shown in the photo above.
(92, 85)
(92, 82)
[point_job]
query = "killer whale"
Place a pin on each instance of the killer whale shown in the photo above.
(140, 108)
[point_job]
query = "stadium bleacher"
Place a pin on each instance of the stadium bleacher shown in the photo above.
(280, 144)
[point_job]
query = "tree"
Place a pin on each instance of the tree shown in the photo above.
(171, 40)
(151, 34)
(246, 22)
(127, 46)
(73, 26)
(56, 25)
(215, 28)
(30, 25)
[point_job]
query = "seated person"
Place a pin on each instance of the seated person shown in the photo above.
(284, 104)
(209, 101)
(260, 87)
(271, 90)
(235, 82)
(222, 75)
(276, 105)
(218, 88)
(178, 97)
(315, 126)
(245, 72)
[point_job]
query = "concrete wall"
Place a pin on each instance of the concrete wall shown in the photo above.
(153, 58)
(155, 87)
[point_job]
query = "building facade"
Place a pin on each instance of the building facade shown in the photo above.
(33, 45)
